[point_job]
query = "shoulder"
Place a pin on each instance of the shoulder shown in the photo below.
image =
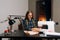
(34, 19)
(23, 19)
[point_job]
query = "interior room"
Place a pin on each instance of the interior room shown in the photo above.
(46, 12)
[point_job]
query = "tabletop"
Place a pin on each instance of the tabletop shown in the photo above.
(21, 33)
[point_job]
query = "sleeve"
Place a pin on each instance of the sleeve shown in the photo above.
(36, 23)
(24, 25)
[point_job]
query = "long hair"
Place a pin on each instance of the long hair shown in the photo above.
(26, 17)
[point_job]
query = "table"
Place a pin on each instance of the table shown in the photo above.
(17, 33)
(21, 34)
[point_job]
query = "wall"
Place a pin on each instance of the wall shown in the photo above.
(56, 14)
(11, 7)
(55, 11)
(32, 5)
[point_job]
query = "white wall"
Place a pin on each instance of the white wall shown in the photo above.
(56, 14)
(32, 6)
(11, 7)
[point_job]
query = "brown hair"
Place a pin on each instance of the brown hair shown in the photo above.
(26, 17)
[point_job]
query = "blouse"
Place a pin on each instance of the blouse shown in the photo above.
(29, 24)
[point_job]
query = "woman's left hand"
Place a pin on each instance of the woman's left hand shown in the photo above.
(36, 29)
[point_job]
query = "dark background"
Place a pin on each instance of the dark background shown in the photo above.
(43, 7)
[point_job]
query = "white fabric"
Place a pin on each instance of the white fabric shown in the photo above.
(52, 33)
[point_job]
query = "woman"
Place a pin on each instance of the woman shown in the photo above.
(29, 21)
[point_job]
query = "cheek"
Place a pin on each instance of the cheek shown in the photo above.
(31, 16)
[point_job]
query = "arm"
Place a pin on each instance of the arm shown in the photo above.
(24, 24)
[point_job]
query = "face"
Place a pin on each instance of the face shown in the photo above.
(30, 15)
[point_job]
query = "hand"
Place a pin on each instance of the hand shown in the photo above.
(26, 32)
(35, 29)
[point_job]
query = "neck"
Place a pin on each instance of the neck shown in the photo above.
(30, 19)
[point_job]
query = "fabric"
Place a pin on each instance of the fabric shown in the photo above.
(29, 24)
